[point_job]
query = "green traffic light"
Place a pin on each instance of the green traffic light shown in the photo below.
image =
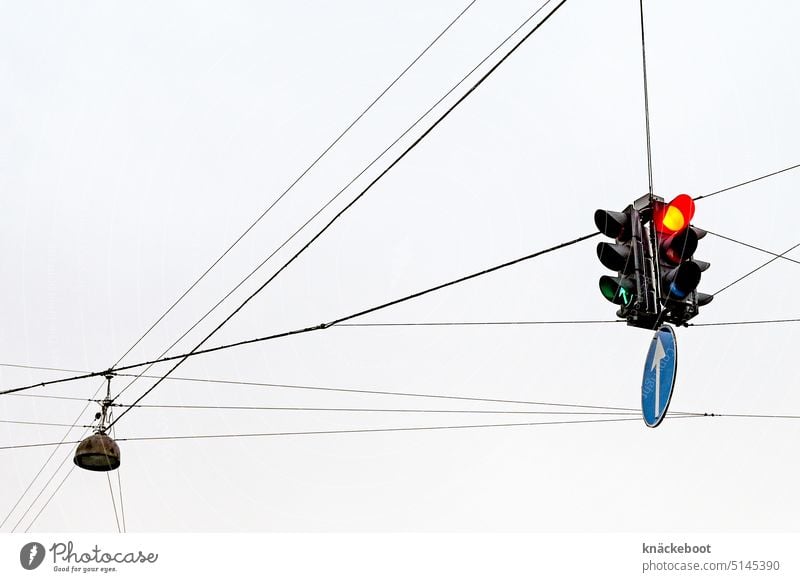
(608, 289)
(619, 290)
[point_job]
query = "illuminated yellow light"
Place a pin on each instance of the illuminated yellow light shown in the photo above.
(673, 219)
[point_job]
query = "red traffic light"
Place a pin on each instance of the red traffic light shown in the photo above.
(675, 216)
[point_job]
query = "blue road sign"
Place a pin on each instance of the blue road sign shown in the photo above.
(659, 376)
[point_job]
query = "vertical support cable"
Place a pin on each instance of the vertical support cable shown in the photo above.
(119, 483)
(113, 503)
(646, 105)
(656, 274)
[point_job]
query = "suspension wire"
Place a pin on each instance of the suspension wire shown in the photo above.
(318, 327)
(351, 390)
(41, 470)
(47, 461)
(409, 394)
(340, 320)
(751, 246)
(56, 446)
(49, 499)
(27, 367)
(389, 393)
(28, 488)
(119, 481)
(75, 398)
(52, 453)
(393, 410)
(113, 503)
(363, 430)
(646, 106)
(298, 178)
(61, 380)
(775, 256)
(773, 259)
(120, 529)
(376, 324)
(121, 503)
(748, 182)
(392, 429)
(474, 323)
(778, 416)
(30, 422)
(285, 192)
(342, 190)
(756, 322)
(44, 465)
(359, 313)
(653, 235)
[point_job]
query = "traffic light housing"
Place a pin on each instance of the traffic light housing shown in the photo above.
(679, 271)
(617, 256)
(653, 255)
(632, 287)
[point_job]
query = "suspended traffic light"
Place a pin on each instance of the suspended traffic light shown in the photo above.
(653, 255)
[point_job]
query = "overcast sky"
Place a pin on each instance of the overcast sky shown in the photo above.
(138, 141)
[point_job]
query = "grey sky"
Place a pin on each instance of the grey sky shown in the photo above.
(138, 141)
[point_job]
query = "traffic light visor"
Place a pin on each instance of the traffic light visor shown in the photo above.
(614, 224)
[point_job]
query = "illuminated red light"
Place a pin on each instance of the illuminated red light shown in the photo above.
(674, 216)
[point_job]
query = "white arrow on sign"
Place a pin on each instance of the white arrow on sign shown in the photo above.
(658, 355)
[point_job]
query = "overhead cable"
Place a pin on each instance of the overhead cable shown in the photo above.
(777, 255)
(646, 105)
(354, 431)
(746, 275)
(300, 177)
(346, 208)
(477, 323)
(751, 322)
(49, 499)
(318, 327)
(747, 182)
(286, 191)
(343, 189)
(392, 410)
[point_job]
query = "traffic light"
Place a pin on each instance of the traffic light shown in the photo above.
(679, 272)
(653, 256)
(618, 256)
